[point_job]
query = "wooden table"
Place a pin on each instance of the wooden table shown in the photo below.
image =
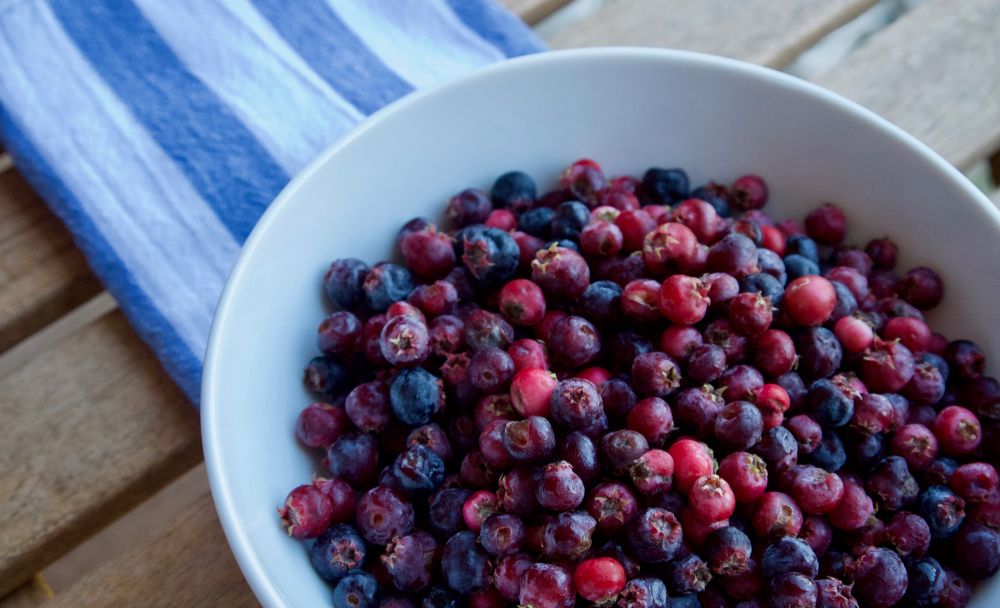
(95, 434)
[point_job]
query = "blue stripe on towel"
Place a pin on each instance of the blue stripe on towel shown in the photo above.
(223, 160)
(335, 52)
(499, 27)
(183, 365)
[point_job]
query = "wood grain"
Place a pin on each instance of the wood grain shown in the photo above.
(187, 563)
(936, 73)
(533, 11)
(91, 428)
(33, 593)
(42, 273)
(768, 32)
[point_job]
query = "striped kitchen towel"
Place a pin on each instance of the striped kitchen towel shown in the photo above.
(159, 130)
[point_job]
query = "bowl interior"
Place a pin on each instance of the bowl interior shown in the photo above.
(626, 108)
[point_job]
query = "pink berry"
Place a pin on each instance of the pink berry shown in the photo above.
(594, 374)
(599, 579)
(306, 513)
(653, 419)
(749, 192)
(503, 219)
(886, 367)
(776, 515)
(692, 459)
(670, 247)
(711, 498)
(652, 473)
(478, 507)
(683, 299)
(531, 392)
(528, 354)
(700, 217)
(916, 444)
(817, 491)
(428, 253)
(810, 300)
(522, 302)
(634, 225)
(974, 481)
(746, 474)
(750, 313)
(601, 239)
(957, 430)
(913, 333)
(679, 341)
(854, 334)
(547, 586)
(774, 352)
(320, 424)
(827, 224)
(640, 301)
(854, 509)
(772, 238)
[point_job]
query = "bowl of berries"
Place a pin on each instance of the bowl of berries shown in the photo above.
(616, 327)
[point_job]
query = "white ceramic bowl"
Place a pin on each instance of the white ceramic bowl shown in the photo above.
(626, 108)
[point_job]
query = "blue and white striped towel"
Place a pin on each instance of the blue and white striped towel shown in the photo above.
(159, 130)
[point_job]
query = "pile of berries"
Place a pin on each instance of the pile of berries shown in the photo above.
(627, 392)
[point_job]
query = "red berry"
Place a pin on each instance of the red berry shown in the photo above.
(683, 299)
(428, 253)
(478, 507)
(640, 301)
(601, 239)
(916, 444)
(531, 392)
(652, 418)
(827, 224)
(974, 481)
(958, 431)
(776, 515)
(773, 239)
(522, 302)
(670, 247)
(634, 225)
(652, 473)
(749, 192)
(306, 513)
(692, 459)
(750, 313)
(503, 219)
(854, 509)
(547, 586)
(528, 354)
(855, 335)
(817, 491)
(599, 579)
(810, 300)
(746, 474)
(711, 498)
(913, 333)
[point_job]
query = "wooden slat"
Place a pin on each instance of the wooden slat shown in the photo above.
(533, 11)
(42, 274)
(90, 428)
(769, 32)
(188, 563)
(29, 595)
(936, 73)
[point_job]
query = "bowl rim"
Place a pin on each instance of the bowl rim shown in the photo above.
(239, 542)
